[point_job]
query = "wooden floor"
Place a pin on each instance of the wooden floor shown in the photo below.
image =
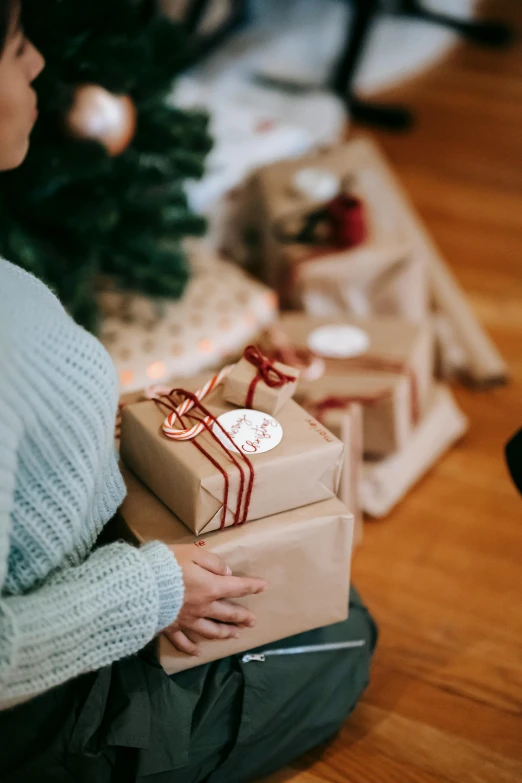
(443, 574)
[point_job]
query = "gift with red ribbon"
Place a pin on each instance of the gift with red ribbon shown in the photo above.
(178, 445)
(340, 251)
(259, 382)
(391, 377)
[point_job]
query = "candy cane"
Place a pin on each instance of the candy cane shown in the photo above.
(168, 425)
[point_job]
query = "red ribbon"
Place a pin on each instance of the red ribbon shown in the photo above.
(381, 364)
(266, 372)
(301, 357)
(347, 220)
(240, 516)
(342, 402)
(348, 229)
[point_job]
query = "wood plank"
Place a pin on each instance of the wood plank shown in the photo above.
(428, 749)
(481, 724)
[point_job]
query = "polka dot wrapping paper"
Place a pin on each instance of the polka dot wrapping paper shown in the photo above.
(152, 340)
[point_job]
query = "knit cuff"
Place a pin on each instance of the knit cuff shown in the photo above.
(169, 579)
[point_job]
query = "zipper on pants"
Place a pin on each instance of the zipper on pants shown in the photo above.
(310, 648)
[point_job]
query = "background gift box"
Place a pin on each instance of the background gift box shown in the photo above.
(385, 482)
(348, 427)
(386, 364)
(276, 199)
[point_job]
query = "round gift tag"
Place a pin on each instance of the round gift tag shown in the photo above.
(316, 183)
(253, 432)
(338, 341)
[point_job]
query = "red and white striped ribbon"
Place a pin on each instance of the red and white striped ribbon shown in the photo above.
(169, 428)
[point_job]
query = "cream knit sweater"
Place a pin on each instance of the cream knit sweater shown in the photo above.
(64, 609)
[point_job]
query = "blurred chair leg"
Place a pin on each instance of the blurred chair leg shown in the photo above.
(391, 117)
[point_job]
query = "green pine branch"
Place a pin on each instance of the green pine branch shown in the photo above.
(71, 214)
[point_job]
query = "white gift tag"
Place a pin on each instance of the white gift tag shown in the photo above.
(316, 183)
(253, 432)
(338, 341)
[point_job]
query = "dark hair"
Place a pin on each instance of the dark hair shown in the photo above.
(6, 10)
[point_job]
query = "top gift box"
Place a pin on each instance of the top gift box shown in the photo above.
(272, 465)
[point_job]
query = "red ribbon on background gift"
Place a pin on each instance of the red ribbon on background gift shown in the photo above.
(266, 372)
(346, 223)
(240, 516)
(344, 217)
(383, 364)
(304, 358)
(310, 366)
(343, 402)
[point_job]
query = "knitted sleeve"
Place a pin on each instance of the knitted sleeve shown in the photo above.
(86, 617)
(81, 617)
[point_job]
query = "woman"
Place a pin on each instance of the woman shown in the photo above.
(82, 697)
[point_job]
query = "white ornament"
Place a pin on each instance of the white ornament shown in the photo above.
(338, 341)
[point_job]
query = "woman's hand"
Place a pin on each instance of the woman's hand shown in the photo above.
(206, 610)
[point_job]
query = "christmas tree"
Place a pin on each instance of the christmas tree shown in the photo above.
(78, 208)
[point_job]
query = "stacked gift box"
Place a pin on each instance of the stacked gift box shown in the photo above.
(349, 389)
(372, 315)
(234, 464)
(334, 233)
(379, 370)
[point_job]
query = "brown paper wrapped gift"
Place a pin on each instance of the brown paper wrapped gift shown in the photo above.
(385, 482)
(255, 382)
(347, 425)
(366, 281)
(304, 468)
(409, 288)
(391, 379)
(381, 276)
(304, 554)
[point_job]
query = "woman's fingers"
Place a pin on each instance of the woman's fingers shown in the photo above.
(213, 563)
(227, 612)
(181, 641)
(211, 630)
(240, 586)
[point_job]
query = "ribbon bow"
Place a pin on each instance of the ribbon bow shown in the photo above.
(266, 372)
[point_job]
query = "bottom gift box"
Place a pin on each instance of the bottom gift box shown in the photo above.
(303, 554)
(385, 482)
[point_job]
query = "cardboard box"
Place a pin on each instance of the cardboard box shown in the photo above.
(391, 376)
(347, 425)
(385, 482)
(381, 276)
(304, 468)
(265, 386)
(304, 554)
